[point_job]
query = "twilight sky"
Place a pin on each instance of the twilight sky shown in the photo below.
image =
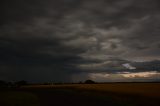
(75, 40)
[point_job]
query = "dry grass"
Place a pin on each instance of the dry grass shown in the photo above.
(15, 98)
(141, 89)
(109, 94)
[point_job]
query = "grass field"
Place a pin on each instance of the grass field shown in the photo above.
(17, 98)
(110, 94)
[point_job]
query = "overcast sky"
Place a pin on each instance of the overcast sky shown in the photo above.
(75, 40)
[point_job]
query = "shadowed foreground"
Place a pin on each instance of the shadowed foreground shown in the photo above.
(83, 95)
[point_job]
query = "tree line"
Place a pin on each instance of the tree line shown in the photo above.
(4, 84)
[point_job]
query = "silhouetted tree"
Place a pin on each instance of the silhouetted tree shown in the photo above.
(21, 83)
(89, 82)
(11, 84)
(3, 84)
(46, 83)
(80, 82)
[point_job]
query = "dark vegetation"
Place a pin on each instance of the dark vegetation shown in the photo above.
(89, 82)
(4, 84)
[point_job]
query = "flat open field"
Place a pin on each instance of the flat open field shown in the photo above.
(110, 94)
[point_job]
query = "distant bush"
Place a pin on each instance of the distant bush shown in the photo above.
(3, 84)
(89, 82)
(46, 83)
(80, 82)
(21, 83)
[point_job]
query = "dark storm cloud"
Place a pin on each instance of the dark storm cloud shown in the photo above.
(58, 40)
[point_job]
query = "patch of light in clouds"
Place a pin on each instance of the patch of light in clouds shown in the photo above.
(128, 66)
(140, 74)
(124, 76)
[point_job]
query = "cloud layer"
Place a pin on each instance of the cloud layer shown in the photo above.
(61, 40)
